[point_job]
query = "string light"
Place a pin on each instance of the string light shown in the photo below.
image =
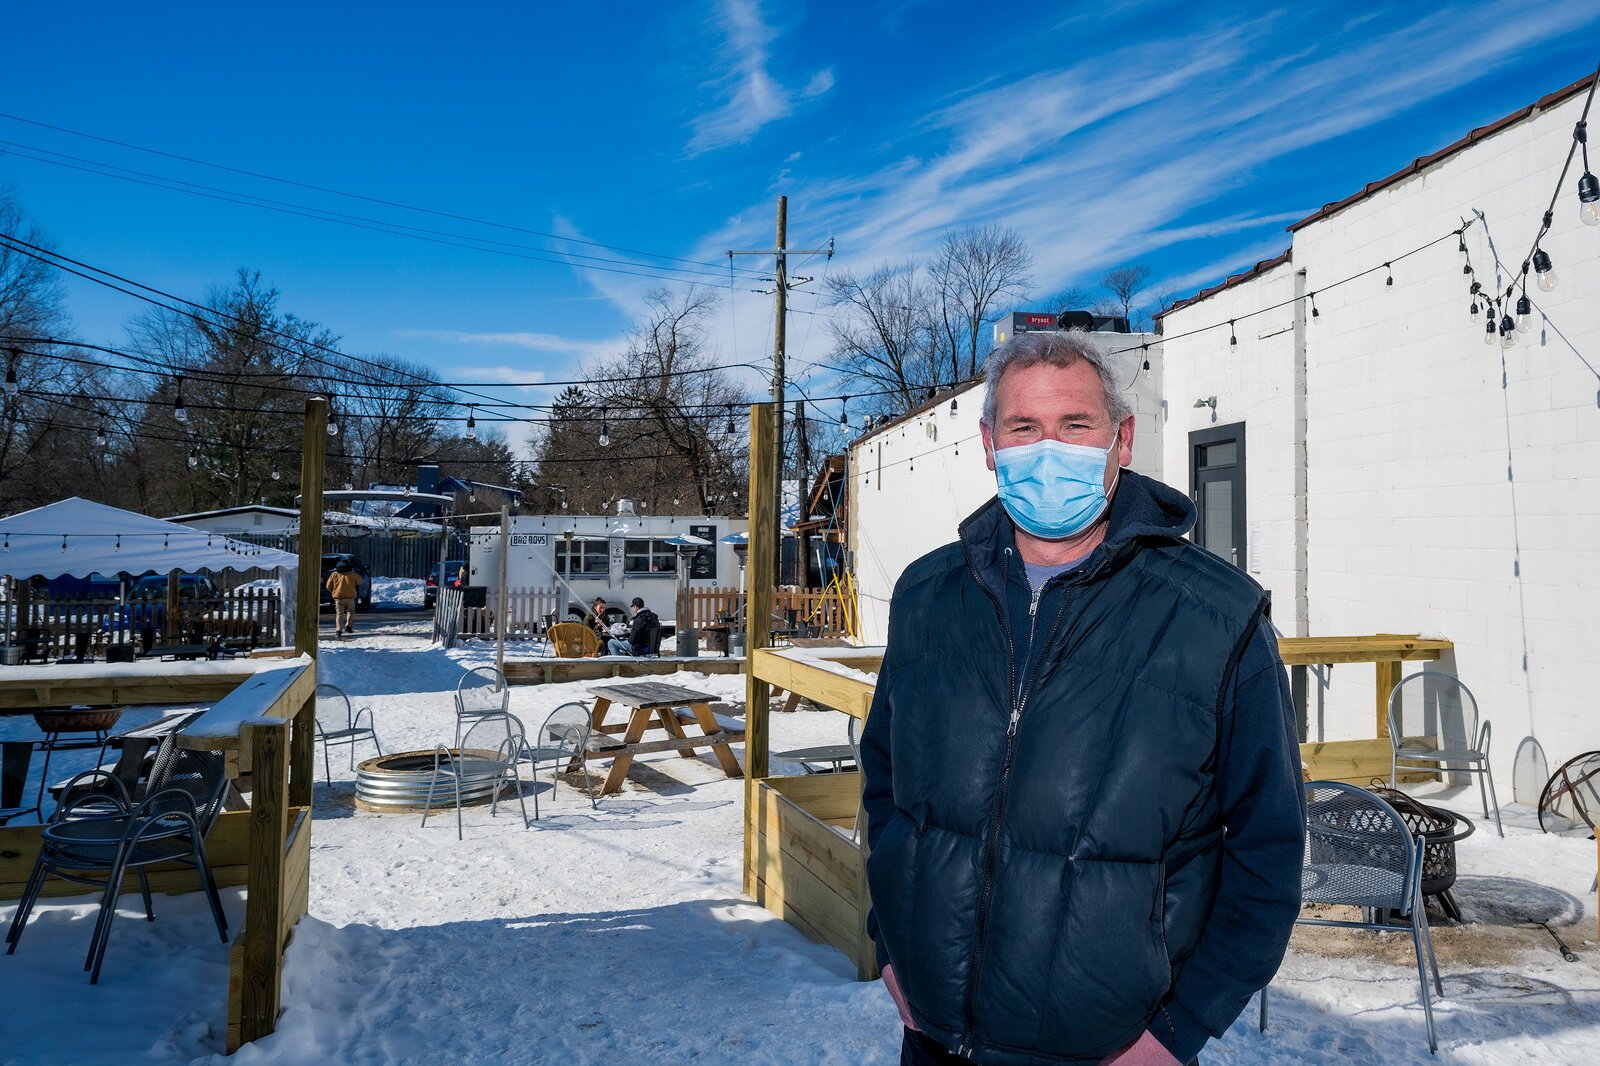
(1588, 184)
(333, 423)
(1508, 332)
(1145, 348)
(1390, 279)
(732, 426)
(118, 546)
(1233, 339)
(1488, 327)
(1314, 312)
(63, 544)
(844, 414)
(605, 429)
(11, 371)
(952, 408)
(1544, 271)
(194, 459)
(179, 412)
(1524, 312)
(100, 435)
(277, 475)
(472, 422)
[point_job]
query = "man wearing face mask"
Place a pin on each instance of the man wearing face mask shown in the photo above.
(1082, 786)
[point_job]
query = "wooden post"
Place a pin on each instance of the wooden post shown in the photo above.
(303, 751)
(763, 564)
(269, 827)
(308, 600)
(500, 605)
(1388, 678)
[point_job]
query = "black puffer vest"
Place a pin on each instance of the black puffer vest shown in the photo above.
(1052, 859)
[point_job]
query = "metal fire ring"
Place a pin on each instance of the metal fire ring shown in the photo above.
(398, 782)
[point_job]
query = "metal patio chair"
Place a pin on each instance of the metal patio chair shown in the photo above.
(169, 825)
(486, 759)
(1360, 853)
(1434, 726)
(562, 740)
(338, 723)
(481, 692)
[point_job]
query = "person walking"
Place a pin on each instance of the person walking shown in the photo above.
(1084, 802)
(343, 585)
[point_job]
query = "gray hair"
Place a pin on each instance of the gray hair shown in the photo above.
(1055, 348)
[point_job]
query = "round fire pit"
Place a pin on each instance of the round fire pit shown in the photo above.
(1439, 830)
(398, 783)
(77, 719)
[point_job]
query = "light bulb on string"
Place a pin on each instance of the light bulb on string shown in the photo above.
(11, 372)
(277, 475)
(1145, 348)
(1390, 269)
(333, 425)
(1314, 312)
(1588, 185)
(952, 408)
(194, 460)
(1233, 337)
(844, 413)
(732, 426)
(179, 412)
(1488, 327)
(472, 422)
(605, 428)
(118, 546)
(100, 435)
(1524, 313)
(63, 544)
(1508, 332)
(1544, 271)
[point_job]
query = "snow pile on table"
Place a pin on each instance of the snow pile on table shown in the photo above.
(619, 935)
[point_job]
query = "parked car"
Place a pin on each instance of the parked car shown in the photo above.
(452, 579)
(364, 592)
(146, 605)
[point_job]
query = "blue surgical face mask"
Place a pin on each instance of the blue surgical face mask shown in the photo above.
(1051, 489)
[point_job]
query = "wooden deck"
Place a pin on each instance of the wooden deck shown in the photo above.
(553, 671)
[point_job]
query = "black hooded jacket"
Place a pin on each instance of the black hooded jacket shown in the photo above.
(1044, 811)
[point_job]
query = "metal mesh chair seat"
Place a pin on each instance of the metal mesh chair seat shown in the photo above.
(1355, 886)
(96, 841)
(1435, 755)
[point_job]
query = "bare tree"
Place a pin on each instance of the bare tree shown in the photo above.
(973, 271)
(1124, 284)
(1072, 298)
(664, 406)
(887, 335)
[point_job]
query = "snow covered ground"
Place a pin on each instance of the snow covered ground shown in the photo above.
(619, 935)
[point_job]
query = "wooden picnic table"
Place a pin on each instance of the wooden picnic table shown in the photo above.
(653, 705)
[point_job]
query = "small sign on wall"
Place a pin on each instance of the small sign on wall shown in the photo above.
(1255, 547)
(530, 540)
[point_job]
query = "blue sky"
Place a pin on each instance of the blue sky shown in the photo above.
(1181, 135)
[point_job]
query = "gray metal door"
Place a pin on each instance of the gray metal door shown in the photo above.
(1216, 484)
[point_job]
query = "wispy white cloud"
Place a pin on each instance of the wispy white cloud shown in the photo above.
(752, 97)
(1112, 156)
(537, 342)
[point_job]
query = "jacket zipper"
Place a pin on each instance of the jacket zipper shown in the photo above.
(992, 839)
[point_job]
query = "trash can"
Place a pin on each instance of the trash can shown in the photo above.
(688, 644)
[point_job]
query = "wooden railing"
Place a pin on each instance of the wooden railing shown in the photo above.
(821, 608)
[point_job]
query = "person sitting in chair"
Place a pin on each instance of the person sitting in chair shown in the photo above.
(643, 630)
(598, 621)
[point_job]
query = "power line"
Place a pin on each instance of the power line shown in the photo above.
(350, 195)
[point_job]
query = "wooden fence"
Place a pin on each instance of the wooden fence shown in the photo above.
(524, 613)
(407, 554)
(105, 620)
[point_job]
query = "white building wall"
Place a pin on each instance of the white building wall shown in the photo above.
(1451, 492)
(1253, 385)
(911, 485)
(248, 522)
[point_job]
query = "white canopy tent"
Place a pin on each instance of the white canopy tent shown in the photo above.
(75, 537)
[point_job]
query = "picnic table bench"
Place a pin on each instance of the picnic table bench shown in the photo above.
(654, 705)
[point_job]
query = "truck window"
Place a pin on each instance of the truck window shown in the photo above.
(648, 557)
(582, 558)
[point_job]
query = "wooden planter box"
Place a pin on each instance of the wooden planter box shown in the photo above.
(803, 868)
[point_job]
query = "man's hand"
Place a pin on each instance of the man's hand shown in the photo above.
(1145, 1051)
(899, 998)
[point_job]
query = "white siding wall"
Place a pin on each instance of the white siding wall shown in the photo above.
(1414, 524)
(909, 490)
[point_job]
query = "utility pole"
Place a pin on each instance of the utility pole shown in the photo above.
(780, 331)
